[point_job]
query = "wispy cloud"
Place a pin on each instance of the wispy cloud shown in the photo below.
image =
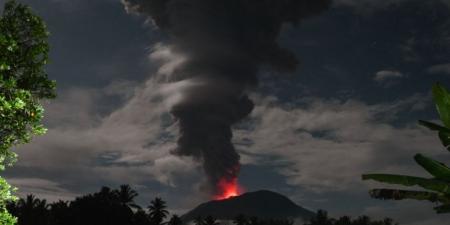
(440, 69)
(384, 75)
(325, 145)
(84, 144)
(51, 191)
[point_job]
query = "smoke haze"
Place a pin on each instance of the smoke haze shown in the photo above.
(213, 55)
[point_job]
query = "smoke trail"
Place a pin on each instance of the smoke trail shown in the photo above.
(223, 43)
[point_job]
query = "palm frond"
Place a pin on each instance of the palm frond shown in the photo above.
(435, 168)
(442, 100)
(433, 126)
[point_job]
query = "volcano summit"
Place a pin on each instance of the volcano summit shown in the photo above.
(262, 204)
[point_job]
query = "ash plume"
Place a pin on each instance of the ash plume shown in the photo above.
(223, 44)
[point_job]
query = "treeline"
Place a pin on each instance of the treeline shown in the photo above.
(117, 207)
(322, 218)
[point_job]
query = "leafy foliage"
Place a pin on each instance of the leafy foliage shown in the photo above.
(23, 82)
(157, 211)
(5, 196)
(438, 187)
(175, 220)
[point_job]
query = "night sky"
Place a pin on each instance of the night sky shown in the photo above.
(351, 107)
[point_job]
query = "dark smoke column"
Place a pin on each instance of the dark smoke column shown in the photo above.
(224, 43)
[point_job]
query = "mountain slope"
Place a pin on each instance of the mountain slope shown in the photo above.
(263, 204)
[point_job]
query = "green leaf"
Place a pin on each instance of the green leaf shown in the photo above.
(433, 126)
(444, 132)
(435, 168)
(442, 101)
(444, 136)
(429, 184)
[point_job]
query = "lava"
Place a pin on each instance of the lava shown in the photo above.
(227, 189)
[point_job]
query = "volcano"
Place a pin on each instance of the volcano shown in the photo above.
(262, 204)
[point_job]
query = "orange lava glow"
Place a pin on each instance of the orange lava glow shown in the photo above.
(228, 189)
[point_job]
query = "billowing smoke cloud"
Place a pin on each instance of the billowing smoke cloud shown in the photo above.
(221, 45)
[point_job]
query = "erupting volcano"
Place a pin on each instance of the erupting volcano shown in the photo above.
(262, 204)
(227, 189)
(212, 58)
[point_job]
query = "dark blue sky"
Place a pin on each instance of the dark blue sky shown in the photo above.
(366, 71)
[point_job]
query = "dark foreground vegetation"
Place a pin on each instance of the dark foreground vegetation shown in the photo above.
(117, 207)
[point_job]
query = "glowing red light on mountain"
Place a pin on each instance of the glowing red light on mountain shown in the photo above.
(227, 189)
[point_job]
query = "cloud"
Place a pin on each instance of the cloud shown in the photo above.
(319, 145)
(384, 75)
(95, 142)
(49, 190)
(322, 146)
(440, 69)
(325, 145)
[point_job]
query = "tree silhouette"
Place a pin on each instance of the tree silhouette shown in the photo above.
(59, 211)
(157, 211)
(32, 211)
(345, 220)
(140, 218)
(437, 187)
(209, 220)
(104, 207)
(175, 220)
(321, 218)
(388, 221)
(362, 220)
(126, 196)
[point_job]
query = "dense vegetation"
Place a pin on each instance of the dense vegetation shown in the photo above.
(438, 187)
(117, 207)
(23, 83)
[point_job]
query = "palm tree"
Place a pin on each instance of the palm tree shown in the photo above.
(209, 220)
(175, 220)
(157, 211)
(140, 218)
(32, 211)
(59, 212)
(388, 221)
(345, 220)
(362, 220)
(107, 195)
(438, 187)
(126, 196)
